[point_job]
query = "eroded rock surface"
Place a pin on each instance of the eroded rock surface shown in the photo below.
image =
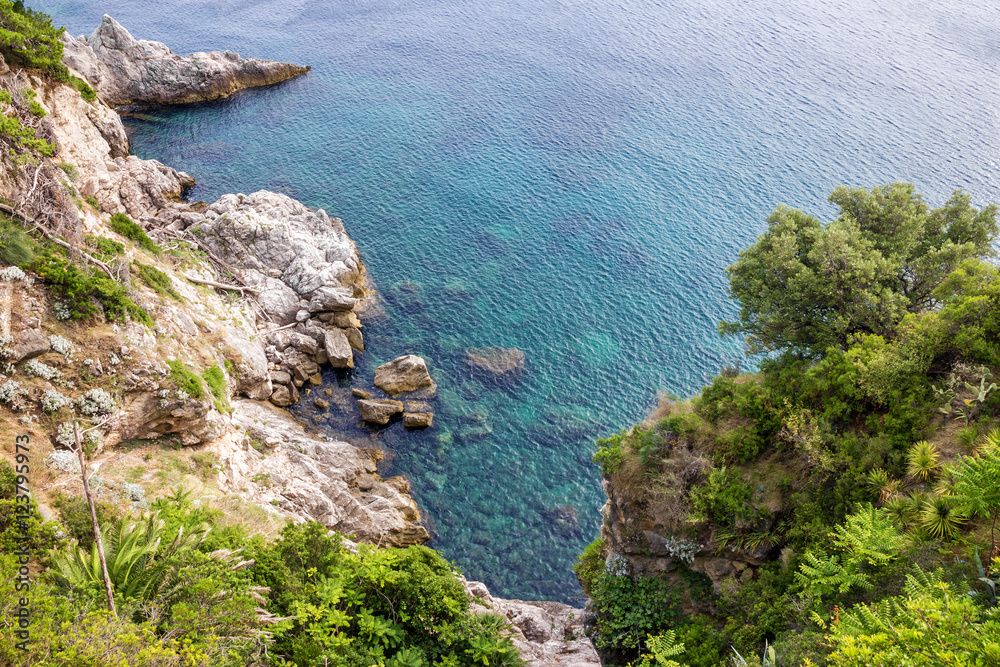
(332, 482)
(124, 70)
(547, 634)
(403, 374)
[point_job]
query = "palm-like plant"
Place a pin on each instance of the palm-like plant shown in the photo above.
(922, 460)
(941, 518)
(138, 563)
(901, 510)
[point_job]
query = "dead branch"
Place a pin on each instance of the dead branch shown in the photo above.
(212, 283)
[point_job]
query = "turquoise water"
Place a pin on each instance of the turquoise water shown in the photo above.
(570, 178)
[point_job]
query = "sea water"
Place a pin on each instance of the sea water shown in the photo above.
(571, 178)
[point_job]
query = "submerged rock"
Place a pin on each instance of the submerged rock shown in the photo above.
(496, 360)
(403, 374)
(124, 70)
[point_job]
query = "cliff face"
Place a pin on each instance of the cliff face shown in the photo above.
(124, 70)
(299, 260)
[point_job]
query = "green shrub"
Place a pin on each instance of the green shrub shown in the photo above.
(628, 610)
(28, 39)
(610, 454)
(590, 564)
(105, 247)
(185, 379)
(86, 92)
(216, 381)
(93, 203)
(36, 109)
(20, 528)
(16, 247)
(157, 280)
(23, 137)
(78, 288)
(723, 499)
(70, 170)
(125, 226)
(74, 514)
(6, 97)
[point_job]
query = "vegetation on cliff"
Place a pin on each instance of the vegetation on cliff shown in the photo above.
(838, 506)
(190, 595)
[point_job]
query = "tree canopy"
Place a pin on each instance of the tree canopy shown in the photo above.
(805, 286)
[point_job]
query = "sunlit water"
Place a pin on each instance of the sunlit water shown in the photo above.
(571, 178)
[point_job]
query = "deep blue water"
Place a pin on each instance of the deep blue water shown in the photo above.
(570, 177)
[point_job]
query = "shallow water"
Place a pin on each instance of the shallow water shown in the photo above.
(569, 177)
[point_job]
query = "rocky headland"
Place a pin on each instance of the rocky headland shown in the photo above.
(124, 70)
(258, 287)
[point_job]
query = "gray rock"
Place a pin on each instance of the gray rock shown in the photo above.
(379, 410)
(403, 374)
(297, 258)
(304, 370)
(321, 403)
(280, 377)
(124, 70)
(252, 377)
(28, 343)
(302, 316)
(281, 397)
(304, 344)
(338, 349)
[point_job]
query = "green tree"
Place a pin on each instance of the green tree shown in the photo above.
(805, 286)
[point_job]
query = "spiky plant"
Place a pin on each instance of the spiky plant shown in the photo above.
(967, 436)
(922, 460)
(891, 489)
(901, 510)
(941, 518)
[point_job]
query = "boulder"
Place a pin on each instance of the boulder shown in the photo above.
(418, 419)
(331, 298)
(303, 343)
(496, 360)
(379, 410)
(304, 370)
(27, 343)
(356, 340)
(124, 70)
(403, 374)
(338, 349)
(360, 393)
(281, 397)
(252, 377)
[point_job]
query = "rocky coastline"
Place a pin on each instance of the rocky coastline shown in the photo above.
(271, 291)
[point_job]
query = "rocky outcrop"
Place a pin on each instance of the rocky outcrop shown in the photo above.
(403, 374)
(298, 259)
(547, 634)
(496, 360)
(307, 477)
(124, 70)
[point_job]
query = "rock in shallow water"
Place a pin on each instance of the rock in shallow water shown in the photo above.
(379, 410)
(403, 374)
(496, 360)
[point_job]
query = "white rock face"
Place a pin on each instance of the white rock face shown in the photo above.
(332, 482)
(92, 138)
(288, 252)
(547, 634)
(124, 70)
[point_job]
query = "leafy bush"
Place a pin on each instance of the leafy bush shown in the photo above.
(590, 564)
(74, 514)
(28, 39)
(16, 247)
(86, 92)
(610, 453)
(105, 247)
(20, 136)
(629, 609)
(125, 226)
(216, 381)
(186, 380)
(158, 280)
(78, 287)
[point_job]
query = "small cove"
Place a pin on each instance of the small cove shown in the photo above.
(570, 179)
